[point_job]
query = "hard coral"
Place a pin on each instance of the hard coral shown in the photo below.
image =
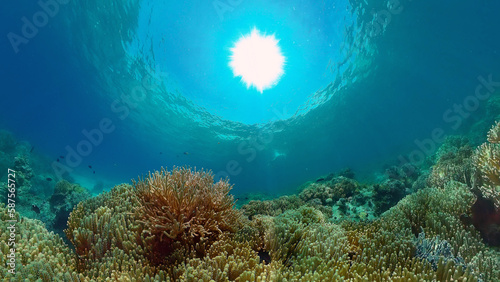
(487, 161)
(108, 237)
(271, 207)
(185, 208)
(454, 162)
(40, 255)
(65, 197)
(331, 191)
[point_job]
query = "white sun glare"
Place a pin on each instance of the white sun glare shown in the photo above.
(257, 58)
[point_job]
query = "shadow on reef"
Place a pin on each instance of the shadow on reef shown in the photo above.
(414, 224)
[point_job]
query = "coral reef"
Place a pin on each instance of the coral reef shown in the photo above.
(487, 161)
(24, 173)
(185, 207)
(65, 197)
(39, 255)
(271, 207)
(454, 162)
(331, 191)
(109, 238)
(387, 194)
(179, 225)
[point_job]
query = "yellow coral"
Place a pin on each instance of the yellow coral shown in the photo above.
(487, 161)
(494, 133)
(40, 255)
(108, 237)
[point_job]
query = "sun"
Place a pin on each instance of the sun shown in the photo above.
(258, 60)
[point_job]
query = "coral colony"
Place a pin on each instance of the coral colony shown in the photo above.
(180, 225)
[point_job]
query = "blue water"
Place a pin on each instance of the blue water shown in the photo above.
(363, 81)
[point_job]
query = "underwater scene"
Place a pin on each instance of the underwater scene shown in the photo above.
(250, 140)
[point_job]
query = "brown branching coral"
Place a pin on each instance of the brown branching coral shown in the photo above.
(487, 161)
(185, 208)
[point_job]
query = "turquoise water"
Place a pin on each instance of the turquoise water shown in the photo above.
(364, 83)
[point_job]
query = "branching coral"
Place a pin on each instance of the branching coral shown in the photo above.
(185, 207)
(487, 161)
(228, 260)
(454, 162)
(494, 133)
(65, 197)
(272, 207)
(329, 192)
(439, 212)
(180, 226)
(108, 238)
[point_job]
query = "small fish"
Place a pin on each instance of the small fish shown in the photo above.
(94, 171)
(57, 160)
(35, 208)
(186, 153)
(320, 179)
(32, 148)
(161, 153)
(48, 179)
(62, 157)
(90, 166)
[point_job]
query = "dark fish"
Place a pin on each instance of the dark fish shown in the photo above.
(32, 148)
(264, 257)
(90, 166)
(186, 153)
(161, 153)
(320, 179)
(48, 179)
(94, 171)
(57, 160)
(35, 208)
(62, 157)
